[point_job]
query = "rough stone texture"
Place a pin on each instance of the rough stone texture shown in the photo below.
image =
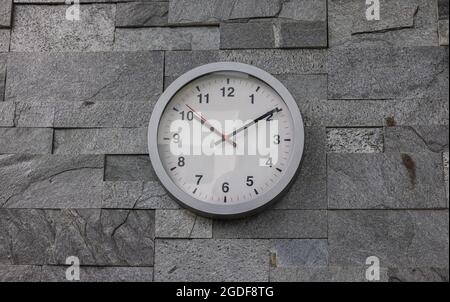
(34, 114)
(214, 11)
(3, 63)
(400, 239)
(20, 273)
(303, 61)
(416, 139)
(443, 32)
(45, 28)
(390, 180)
(212, 260)
(5, 37)
(136, 195)
(129, 168)
(383, 73)
(87, 77)
(6, 114)
(355, 140)
(165, 38)
(182, 224)
(50, 181)
(398, 25)
(302, 34)
(102, 114)
(443, 9)
(26, 140)
(140, 14)
(275, 224)
(100, 141)
(96, 237)
(247, 35)
(304, 10)
(99, 274)
(427, 274)
(305, 87)
(298, 252)
(446, 173)
(6, 7)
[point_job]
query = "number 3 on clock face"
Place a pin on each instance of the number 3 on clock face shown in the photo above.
(226, 139)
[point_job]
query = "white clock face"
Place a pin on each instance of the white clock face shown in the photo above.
(219, 104)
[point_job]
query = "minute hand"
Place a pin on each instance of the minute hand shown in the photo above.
(256, 120)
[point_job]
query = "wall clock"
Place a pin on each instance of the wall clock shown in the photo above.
(218, 171)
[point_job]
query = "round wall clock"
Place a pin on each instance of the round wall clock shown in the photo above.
(226, 139)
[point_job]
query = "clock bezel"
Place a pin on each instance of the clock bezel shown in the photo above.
(227, 210)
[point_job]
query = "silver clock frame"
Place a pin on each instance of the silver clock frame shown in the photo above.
(227, 210)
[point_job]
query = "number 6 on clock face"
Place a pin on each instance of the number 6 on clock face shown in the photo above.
(226, 139)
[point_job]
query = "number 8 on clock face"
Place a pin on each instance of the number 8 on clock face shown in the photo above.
(226, 139)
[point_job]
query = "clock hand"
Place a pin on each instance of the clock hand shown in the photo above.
(256, 120)
(204, 121)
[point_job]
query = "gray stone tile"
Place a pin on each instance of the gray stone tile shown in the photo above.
(20, 273)
(385, 73)
(106, 76)
(100, 141)
(50, 181)
(443, 32)
(99, 274)
(96, 237)
(305, 87)
(3, 63)
(304, 10)
(214, 11)
(34, 114)
(136, 195)
(421, 112)
(446, 173)
(6, 7)
(398, 238)
(45, 28)
(426, 274)
(355, 140)
(443, 9)
(139, 14)
(414, 139)
(26, 140)
(300, 61)
(398, 27)
(309, 190)
(182, 224)
(298, 252)
(275, 224)
(102, 114)
(302, 34)
(390, 180)
(5, 37)
(165, 38)
(247, 35)
(211, 260)
(129, 168)
(7, 114)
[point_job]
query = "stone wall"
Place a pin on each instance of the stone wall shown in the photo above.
(75, 178)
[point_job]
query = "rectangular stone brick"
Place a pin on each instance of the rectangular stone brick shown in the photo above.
(403, 23)
(7, 114)
(421, 112)
(443, 32)
(129, 168)
(398, 238)
(298, 252)
(386, 73)
(102, 114)
(443, 9)
(100, 141)
(140, 14)
(34, 114)
(390, 180)
(109, 76)
(302, 34)
(26, 140)
(275, 224)
(305, 87)
(247, 35)
(355, 140)
(5, 13)
(211, 260)
(52, 181)
(165, 38)
(214, 11)
(304, 10)
(414, 139)
(5, 37)
(182, 224)
(45, 28)
(96, 237)
(99, 274)
(136, 195)
(300, 61)
(20, 273)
